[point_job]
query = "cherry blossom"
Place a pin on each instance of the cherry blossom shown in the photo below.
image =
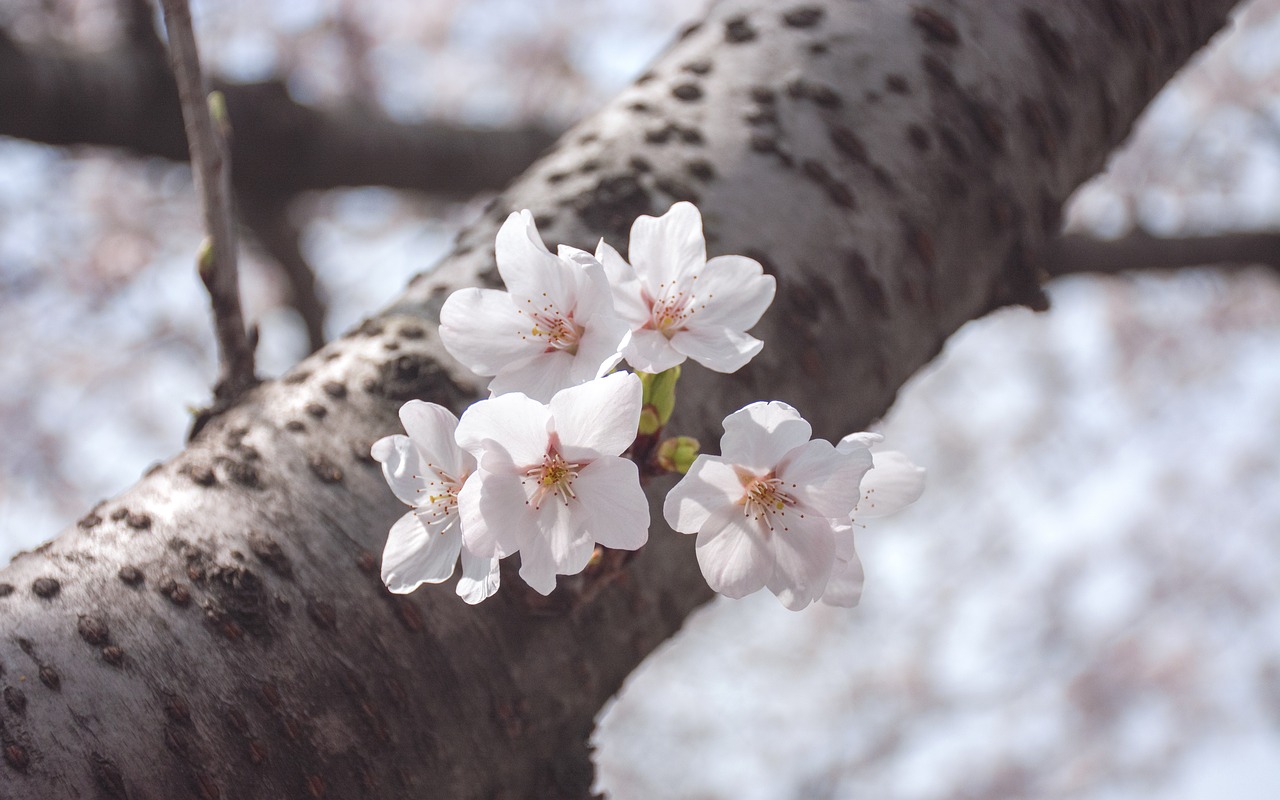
(766, 509)
(426, 470)
(551, 483)
(554, 327)
(680, 305)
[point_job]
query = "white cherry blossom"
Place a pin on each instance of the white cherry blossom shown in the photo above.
(680, 305)
(766, 509)
(554, 327)
(426, 470)
(550, 483)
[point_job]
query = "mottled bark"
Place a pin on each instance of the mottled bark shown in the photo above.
(219, 630)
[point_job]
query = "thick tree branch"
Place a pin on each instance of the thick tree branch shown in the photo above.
(212, 175)
(127, 98)
(220, 630)
(1140, 250)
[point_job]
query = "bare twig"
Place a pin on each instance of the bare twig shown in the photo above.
(213, 182)
(1141, 251)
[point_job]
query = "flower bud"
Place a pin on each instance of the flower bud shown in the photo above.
(677, 454)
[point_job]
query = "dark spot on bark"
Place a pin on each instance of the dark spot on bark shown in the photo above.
(659, 135)
(802, 302)
(132, 576)
(1121, 22)
(818, 48)
(322, 614)
(270, 553)
(408, 614)
(859, 273)
(918, 137)
(700, 67)
(676, 189)
(689, 30)
(200, 474)
(15, 699)
(177, 709)
(89, 521)
(6, 589)
(612, 205)
(640, 164)
(954, 145)
(938, 71)
(762, 116)
(46, 588)
(1033, 114)
(821, 94)
(848, 143)
(590, 165)
(257, 752)
(588, 138)
(639, 107)
(701, 169)
(242, 473)
(884, 179)
(691, 136)
(16, 756)
(936, 28)
(839, 193)
(372, 328)
(897, 84)
(1051, 42)
(239, 602)
(50, 677)
(207, 787)
(803, 17)
(152, 470)
(1002, 212)
(269, 695)
(367, 563)
(688, 92)
(113, 655)
(316, 410)
(93, 629)
(177, 742)
(177, 593)
(315, 786)
(738, 30)
(921, 243)
(107, 775)
(557, 177)
(416, 376)
(988, 124)
(391, 346)
(301, 376)
(138, 521)
(763, 95)
(119, 514)
(645, 77)
(324, 469)
(763, 143)
(295, 426)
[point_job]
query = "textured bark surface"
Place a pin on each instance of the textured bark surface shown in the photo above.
(220, 630)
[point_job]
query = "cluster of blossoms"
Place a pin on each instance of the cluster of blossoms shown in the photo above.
(541, 468)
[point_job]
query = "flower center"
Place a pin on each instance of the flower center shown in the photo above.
(554, 476)
(441, 496)
(556, 328)
(670, 313)
(766, 501)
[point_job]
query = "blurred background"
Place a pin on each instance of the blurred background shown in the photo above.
(1085, 603)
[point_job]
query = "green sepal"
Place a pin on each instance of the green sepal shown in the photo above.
(678, 453)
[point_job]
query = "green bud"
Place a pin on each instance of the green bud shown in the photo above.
(660, 395)
(649, 422)
(204, 261)
(218, 110)
(677, 454)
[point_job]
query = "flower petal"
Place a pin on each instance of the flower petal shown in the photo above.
(802, 555)
(860, 439)
(599, 349)
(415, 554)
(732, 291)
(892, 484)
(711, 484)
(401, 466)
(480, 577)
(759, 435)
(599, 417)
(431, 428)
(539, 378)
(666, 249)
(823, 480)
(732, 553)
(493, 513)
(482, 329)
(717, 347)
(844, 587)
(649, 351)
(514, 423)
(531, 272)
(556, 544)
(628, 293)
(617, 512)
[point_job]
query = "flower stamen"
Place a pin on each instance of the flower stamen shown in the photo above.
(553, 476)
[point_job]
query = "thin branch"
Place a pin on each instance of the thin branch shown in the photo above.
(268, 219)
(1140, 250)
(213, 182)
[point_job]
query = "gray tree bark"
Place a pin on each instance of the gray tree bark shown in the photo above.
(219, 630)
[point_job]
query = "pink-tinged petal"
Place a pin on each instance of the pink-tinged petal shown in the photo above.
(431, 428)
(517, 424)
(759, 435)
(650, 351)
(599, 349)
(711, 485)
(616, 509)
(892, 484)
(732, 291)
(823, 480)
(598, 418)
(593, 293)
(402, 467)
(717, 347)
(480, 577)
(860, 439)
(493, 513)
(628, 293)
(802, 557)
(532, 273)
(539, 378)
(415, 554)
(844, 587)
(667, 249)
(732, 553)
(483, 331)
(557, 545)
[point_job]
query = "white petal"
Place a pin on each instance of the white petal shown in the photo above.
(732, 291)
(539, 378)
(649, 351)
(480, 577)
(401, 466)
(594, 293)
(628, 293)
(431, 427)
(599, 417)
(711, 484)
(844, 587)
(732, 554)
(483, 331)
(892, 484)
(599, 349)
(533, 275)
(803, 555)
(717, 347)
(493, 513)
(518, 425)
(860, 439)
(759, 435)
(615, 506)
(415, 555)
(667, 249)
(558, 544)
(824, 480)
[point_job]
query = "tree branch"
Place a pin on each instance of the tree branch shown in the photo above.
(1075, 253)
(268, 219)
